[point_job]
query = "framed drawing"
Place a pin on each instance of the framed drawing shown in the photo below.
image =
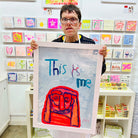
(119, 1)
(67, 79)
(59, 3)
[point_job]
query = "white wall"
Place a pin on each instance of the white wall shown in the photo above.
(91, 9)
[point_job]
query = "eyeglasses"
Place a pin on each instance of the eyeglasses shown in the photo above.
(72, 20)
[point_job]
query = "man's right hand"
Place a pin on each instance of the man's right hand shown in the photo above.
(34, 45)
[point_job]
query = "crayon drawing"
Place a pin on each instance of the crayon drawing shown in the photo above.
(59, 3)
(126, 66)
(7, 37)
(97, 25)
(17, 37)
(30, 22)
(86, 25)
(20, 51)
(52, 23)
(29, 51)
(12, 77)
(19, 22)
(131, 26)
(9, 50)
(119, 25)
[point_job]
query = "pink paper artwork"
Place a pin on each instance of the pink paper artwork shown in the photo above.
(52, 23)
(10, 51)
(20, 51)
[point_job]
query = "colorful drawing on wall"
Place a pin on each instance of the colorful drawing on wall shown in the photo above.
(29, 36)
(115, 78)
(7, 37)
(106, 39)
(128, 40)
(128, 53)
(59, 3)
(17, 37)
(30, 77)
(20, 50)
(131, 25)
(21, 64)
(29, 51)
(21, 76)
(41, 37)
(12, 77)
(119, 25)
(126, 66)
(105, 78)
(109, 53)
(118, 54)
(64, 72)
(125, 79)
(96, 38)
(97, 25)
(11, 64)
(30, 64)
(41, 22)
(7, 22)
(86, 25)
(117, 39)
(9, 51)
(116, 66)
(30, 22)
(52, 23)
(108, 25)
(61, 107)
(19, 22)
(108, 66)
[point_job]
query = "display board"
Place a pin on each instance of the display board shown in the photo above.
(59, 3)
(66, 84)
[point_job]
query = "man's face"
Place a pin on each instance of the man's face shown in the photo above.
(70, 23)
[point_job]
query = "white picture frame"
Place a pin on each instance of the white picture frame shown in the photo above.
(47, 79)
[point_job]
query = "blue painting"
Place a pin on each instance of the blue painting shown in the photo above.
(96, 38)
(128, 40)
(30, 22)
(12, 77)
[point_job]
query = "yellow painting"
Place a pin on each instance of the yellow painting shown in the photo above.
(61, 2)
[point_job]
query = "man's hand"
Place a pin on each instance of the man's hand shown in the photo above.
(103, 51)
(34, 45)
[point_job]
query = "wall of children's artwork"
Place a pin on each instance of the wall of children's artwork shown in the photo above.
(20, 22)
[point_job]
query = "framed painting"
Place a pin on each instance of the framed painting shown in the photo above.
(66, 87)
(59, 3)
(119, 1)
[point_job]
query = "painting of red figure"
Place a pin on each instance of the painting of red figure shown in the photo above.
(61, 107)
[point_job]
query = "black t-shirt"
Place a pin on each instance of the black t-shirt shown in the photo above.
(83, 40)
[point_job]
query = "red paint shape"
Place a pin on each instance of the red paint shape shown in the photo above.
(61, 107)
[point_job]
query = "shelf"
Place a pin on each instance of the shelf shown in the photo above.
(116, 118)
(110, 97)
(100, 116)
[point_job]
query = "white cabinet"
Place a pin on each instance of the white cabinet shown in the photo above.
(110, 97)
(4, 106)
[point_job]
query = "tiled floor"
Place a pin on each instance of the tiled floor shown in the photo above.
(21, 132)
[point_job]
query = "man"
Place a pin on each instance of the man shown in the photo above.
(70, 17)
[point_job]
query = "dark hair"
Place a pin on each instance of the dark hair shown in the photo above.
(70, 8)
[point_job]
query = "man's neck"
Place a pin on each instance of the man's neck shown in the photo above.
(70, 39)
